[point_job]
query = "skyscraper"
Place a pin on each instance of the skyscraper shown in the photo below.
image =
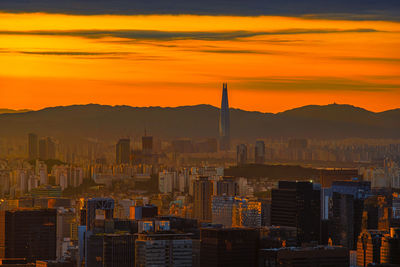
(29, 234)
(123, 150)
(147, 144)
(228, 247)
(94, 204)
(259, 152)
(163, 249)
(297, 204)
(241, 154)
(227, 186)
(42, 149)
(224, 120)
(51, 148)
(33, 146)
(202, 194)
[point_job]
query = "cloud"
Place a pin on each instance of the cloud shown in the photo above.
(90, 55)
(375, 59)
(231, 51)
(348, 9)
(182, 35)
(311, 84)
(72, 53)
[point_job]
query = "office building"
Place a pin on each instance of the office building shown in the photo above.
(65, 219)
(28, 233)
(320, 256)
(278, 236)
(118, 250)
(297, 144)
(241, 154)
(106, 205)
(163, 249)
(228, 247)
(227, 186)
(247, 213)
(143, 212)
(390, 248)
(297, 204)
(55, 263)
(167, 181)
(224, 121)
(47, 148)
(43, 149)
(51, 148)
(346, 211)
(222, 210)
(342, 221)
(94, 250)
(33, 146)
(202, 194)
(236, 211)
(147, 144)
(259, 152)
(369, 247)
(123, 151)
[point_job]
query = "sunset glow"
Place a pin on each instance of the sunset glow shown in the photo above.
(270, 63)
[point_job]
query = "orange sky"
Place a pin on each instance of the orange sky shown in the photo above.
(270, 63)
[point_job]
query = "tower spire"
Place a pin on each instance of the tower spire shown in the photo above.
(224, 121)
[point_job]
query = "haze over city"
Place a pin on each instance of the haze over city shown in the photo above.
(206, 133)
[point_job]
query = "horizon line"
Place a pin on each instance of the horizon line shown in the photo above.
(26, 110)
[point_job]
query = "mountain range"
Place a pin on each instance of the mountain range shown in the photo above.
(6, 110)
(332, 121)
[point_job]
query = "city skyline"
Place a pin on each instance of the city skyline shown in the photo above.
(192, 133)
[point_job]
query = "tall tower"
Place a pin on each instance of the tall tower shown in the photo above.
(123, 151)
(202, 198)
(33, 146)
(224, 120)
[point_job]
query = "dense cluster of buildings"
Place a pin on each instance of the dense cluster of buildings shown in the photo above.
(149, 206)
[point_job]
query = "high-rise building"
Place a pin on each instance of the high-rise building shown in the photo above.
(64, 226)
(247, 213)
(297, 204)
(123, 151)
(166, 181)
(228, 247)
(43, 149)
(224, 121)
(259, 152)
(143, 212)
(51, 148)
(29, 234)
(47, 148)
(241, 154)
(369, 247)
(346, 212)
(236, 211)
(118, 250)
(147, 144)
(202, 194)
(227, 186)
(33, 146)
(304, 256)
(93, 205)
(222, 210)
(163, 249)
(390, 249)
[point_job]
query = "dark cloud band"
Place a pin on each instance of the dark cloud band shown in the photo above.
(181, 35)
(334, 9)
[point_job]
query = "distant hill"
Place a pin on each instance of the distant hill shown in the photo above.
(6, 110)
(111, 122)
